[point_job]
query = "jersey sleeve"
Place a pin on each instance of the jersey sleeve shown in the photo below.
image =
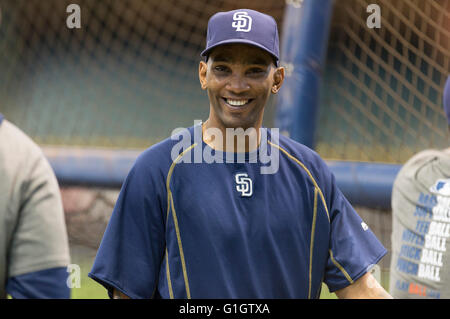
(44, 284)
(39, 240)
(353, 248)
(132, 246)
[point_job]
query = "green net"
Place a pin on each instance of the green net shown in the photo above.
(382, 92)
(126, 79)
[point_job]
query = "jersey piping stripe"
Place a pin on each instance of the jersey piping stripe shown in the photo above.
(308, 172)
(169, 282)
(323, 202)
(340, 268)
(311, 249)
(180, 246)
(170, 206)
(169, 176)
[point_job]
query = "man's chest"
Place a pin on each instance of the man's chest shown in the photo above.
(237, 201)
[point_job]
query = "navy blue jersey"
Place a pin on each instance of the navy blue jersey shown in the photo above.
(224, 230)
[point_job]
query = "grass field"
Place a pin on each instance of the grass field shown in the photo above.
(89, 289)
(92, 290)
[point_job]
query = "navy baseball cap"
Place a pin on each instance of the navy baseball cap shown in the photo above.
(446, 99)
(243, 26)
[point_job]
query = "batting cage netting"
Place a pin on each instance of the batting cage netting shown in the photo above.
(128, 76)
(125, 79)
(382, 92)
(381, 97)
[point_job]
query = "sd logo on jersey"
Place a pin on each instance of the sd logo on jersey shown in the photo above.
(244, 184)
(242, 21)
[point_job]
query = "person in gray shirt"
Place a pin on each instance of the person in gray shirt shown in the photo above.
(420, 261)
(34, 251)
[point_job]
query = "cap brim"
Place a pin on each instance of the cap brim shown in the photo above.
(241, 41)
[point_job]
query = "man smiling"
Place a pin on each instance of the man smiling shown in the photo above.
(189, 229)
(239, 79)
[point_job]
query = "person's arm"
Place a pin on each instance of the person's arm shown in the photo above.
(366, 287)
(38, 247)
(353, 247)
(43, 284)
(119, 295)
(133, 245)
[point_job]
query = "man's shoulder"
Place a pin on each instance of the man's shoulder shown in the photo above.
(420, 162)
(17, 144)
(420, 159)
(307, 159)
(14, 133)
(424, 156)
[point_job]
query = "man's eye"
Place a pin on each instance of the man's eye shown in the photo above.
(221, 68)
(256, 71)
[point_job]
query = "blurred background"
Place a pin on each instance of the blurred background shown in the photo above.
(128, 77)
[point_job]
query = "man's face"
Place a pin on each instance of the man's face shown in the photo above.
(239, 79)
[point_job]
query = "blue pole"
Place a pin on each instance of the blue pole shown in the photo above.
(303, 51)
(365, 184)
(91, 167)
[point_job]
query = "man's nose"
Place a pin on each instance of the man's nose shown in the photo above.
(237, 84)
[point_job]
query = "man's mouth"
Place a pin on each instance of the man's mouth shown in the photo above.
(237, 102)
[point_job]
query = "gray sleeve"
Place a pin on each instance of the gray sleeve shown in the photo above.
(39, 240)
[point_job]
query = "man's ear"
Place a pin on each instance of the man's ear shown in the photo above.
(202, 68)
(278, 79)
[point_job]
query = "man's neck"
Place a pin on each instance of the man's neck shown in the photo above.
(237, 140)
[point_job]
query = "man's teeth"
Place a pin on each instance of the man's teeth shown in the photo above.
(236, 102)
